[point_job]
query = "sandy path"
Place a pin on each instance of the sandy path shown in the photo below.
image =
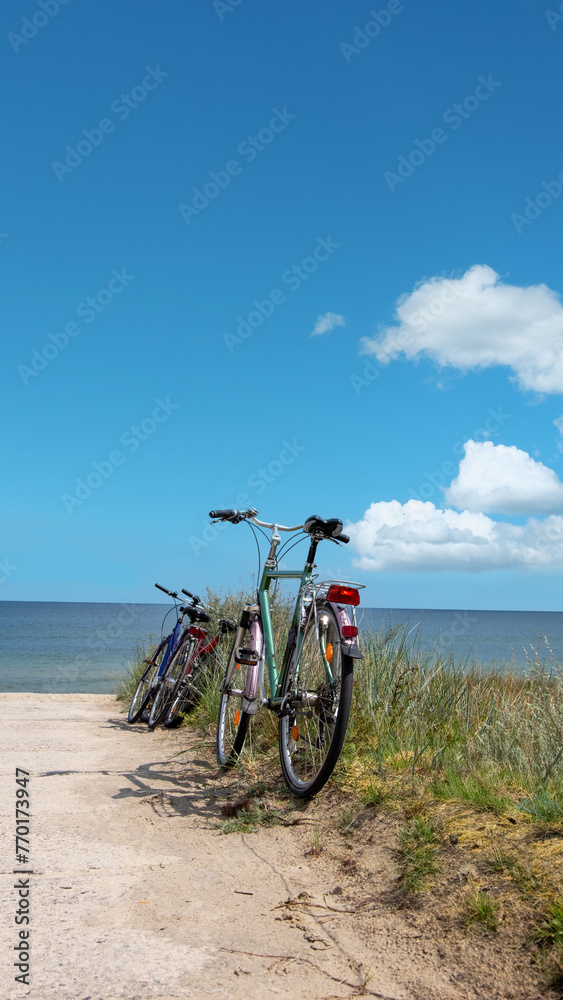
(137, 895)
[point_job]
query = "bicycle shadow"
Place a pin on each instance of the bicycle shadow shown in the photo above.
(179, 785)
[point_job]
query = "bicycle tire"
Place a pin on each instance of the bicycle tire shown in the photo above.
(312, 730)
(171, 681)
(187, 695)
(232, 732)
(143, 691)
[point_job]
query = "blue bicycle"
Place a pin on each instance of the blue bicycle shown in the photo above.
(154, 691)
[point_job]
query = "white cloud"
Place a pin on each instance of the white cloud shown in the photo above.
(503, 479)
(477, 321)
(327, 322)
(418, 536)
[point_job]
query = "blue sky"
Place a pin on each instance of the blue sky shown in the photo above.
(190, 167)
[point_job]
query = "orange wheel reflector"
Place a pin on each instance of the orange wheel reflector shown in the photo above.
(237, 718)
(328, 653)
(295, 733)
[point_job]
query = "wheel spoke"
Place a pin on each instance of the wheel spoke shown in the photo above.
(317, 694)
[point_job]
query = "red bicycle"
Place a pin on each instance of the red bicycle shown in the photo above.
(194, 661)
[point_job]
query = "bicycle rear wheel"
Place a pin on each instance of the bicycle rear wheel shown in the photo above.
(177, 669)
(318, 693)
(187, 693)
(144, 689)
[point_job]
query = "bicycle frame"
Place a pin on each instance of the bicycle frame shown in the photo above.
(261, 628)
(178, 633)
(172, 643)
(200, 648)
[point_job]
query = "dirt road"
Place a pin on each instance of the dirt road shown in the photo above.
(137, 894)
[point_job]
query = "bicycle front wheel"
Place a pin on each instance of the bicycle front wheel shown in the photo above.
(144, 689)
(178, 667)
(233, 722)
(317, 692)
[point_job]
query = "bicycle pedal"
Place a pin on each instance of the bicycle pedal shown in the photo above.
(249, 656)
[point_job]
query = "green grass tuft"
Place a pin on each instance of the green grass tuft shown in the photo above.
(418, 860)
(476, 789)
(550, 931)
(481, 909)
(249, 819)
(543, 806)
(549, 936)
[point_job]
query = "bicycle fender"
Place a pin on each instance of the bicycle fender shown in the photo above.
(348, 646)
(351, 649)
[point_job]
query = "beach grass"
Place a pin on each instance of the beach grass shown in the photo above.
(457, 755)
(421, 722)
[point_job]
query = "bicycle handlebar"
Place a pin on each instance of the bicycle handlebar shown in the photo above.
(193, 597)
(280, 527)
(171, 593)
(248, 515)
(235, 516)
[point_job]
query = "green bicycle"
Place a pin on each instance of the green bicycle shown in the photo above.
(312, 692)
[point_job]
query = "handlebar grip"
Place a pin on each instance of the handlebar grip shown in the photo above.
(162, 588)
(187, 593)
(223, 515)
(342, 538)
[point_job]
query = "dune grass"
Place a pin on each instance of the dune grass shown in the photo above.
(460, 754)
(491, 739)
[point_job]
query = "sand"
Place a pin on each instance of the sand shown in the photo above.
(136, 893)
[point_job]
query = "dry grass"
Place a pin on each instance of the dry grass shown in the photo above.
(466, 757)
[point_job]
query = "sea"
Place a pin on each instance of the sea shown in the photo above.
(79, 647)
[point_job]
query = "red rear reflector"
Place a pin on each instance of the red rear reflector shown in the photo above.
(343, 595)
(349, 631)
